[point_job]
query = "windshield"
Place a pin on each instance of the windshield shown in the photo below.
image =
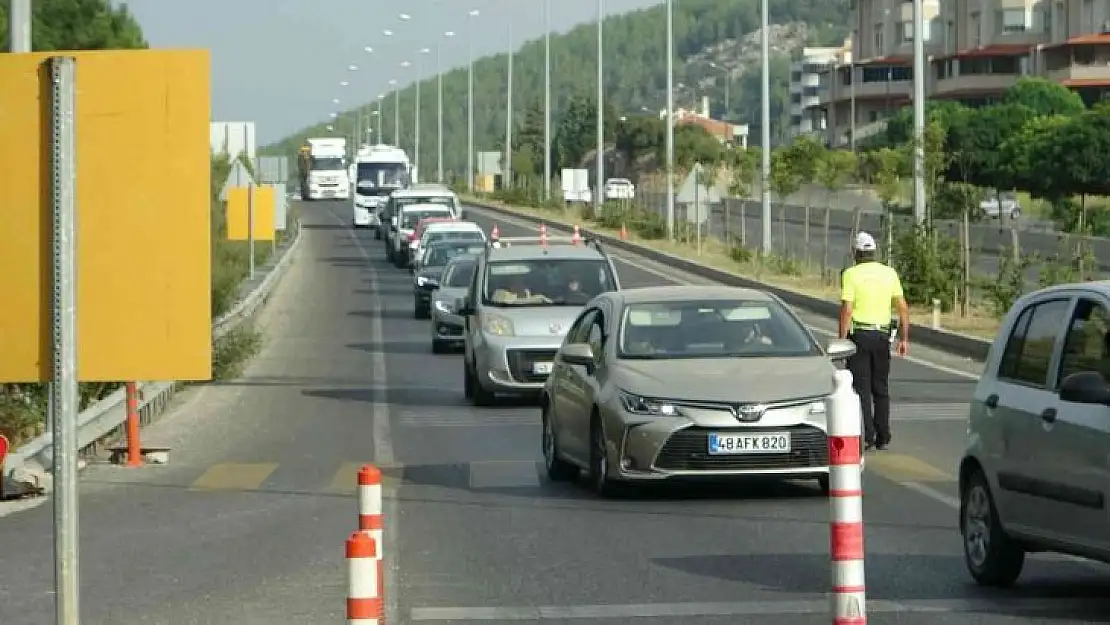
(438, 255)
(546, 282)
(712, 329)
(459, 274)
(439, 200)
(326, 164)
(382, 175)
(410, 218)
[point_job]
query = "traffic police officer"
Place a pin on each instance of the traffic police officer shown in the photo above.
(869, 290)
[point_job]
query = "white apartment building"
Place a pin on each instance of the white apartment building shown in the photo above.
(805, 80)
(976, 50)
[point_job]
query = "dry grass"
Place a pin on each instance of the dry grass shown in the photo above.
(808, 281)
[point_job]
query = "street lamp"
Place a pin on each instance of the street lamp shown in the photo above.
(728, 84)
(378, 114)
(470, 107)
(600, 157)
(507, 166)
(439, 107)
(547, 99)
(356, 139)
(670, 119)
(397, 105)
(416, 110)
(765, 125)
(396, 113)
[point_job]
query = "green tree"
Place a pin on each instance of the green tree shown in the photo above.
(785, 179)
(640, 135)
(979, 139)
(744, 166)
(528, 142)
(834, 168)
(1044, 97)
(77, 25)
(693, 144)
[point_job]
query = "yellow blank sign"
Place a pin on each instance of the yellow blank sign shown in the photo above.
(238, 213)
(143, 216)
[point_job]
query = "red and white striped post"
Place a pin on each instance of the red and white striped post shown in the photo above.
(364, 601)
(577, 238)
(495, 234)
(845, 423)
(370, 502)
(543, 234)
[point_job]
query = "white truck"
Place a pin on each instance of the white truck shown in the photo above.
(576, 186)
(323, 169)
(379, 170)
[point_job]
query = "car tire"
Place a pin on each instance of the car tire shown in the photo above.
(991, 556)
(438, 347)
(558, 470)
(599, 479)
(398, 261)
(479, 396)
(420, 312)
(468, 381)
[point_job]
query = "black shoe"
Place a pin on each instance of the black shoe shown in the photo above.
(881, 446)
(868, 446)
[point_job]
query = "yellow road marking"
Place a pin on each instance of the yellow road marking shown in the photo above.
(905, 468)
(345, 479)
(234, 476)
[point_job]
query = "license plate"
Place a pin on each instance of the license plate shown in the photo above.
(541, 368)
(763, 443)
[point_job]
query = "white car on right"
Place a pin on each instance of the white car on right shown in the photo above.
(1036, 472)
(617, 189)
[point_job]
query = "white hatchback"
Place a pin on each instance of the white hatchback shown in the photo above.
(465, 230)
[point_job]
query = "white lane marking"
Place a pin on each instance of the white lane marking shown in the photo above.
(932, 493)
(736, 608)
(647, 265)
(381, 436)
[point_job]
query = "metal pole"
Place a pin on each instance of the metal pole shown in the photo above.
(250, 231)
(918, 112)
(670, 119)
(765, 125)
(852, 105)
(397, 116)
(64, 397)
(439, 113)
(507, 169)
(416, 117)
(599, 186)
(546, 99)
(380, 138)
(470, 114)
(20, 36)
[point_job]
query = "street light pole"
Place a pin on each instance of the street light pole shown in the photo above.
(507, 167)
(380, 138)
(765, 125)
(439, 108)
(20, 26)
(470, 109)
(416, 110)
(396, 113)
(547, 99)
(670, 119)
(918, 112)
(599, 193)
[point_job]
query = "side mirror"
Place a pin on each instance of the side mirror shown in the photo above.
(840, 349)
(577, 354)
(1085, 387)
(463, 307)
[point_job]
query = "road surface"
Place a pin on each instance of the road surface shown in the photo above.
(246, 524)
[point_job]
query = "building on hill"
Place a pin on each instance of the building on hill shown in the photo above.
(725, 132)
(805, 81)
(976, 50)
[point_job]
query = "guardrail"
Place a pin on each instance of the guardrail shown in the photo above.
(100, 420)
(952, 342)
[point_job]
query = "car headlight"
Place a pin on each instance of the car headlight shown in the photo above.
(444, 307)
(638, 405)
(497, 325)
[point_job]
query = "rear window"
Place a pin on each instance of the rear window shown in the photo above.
(410, 218)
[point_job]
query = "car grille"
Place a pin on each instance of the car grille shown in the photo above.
(521, 361)
(688, 450)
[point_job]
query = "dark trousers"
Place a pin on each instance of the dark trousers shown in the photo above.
(870, 367)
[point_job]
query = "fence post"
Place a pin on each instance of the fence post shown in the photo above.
(134, 445)
(845, 424)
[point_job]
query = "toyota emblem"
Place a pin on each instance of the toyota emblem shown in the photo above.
(750, 412)
(554, 328)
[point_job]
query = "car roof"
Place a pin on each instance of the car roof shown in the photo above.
(422, 191)
(679, 293)
(530, 252)
(453, 224)
(425, 207)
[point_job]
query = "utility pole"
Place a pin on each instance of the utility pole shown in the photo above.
(670, 119)
(507, 167)
(20, 17)
(547, 99)
(470, 108)
(765, 125)
(599, 188)
(918, 112)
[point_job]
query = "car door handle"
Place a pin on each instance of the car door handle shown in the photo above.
(1049, 415)
(992, 401)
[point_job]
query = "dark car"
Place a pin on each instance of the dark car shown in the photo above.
(432, 262)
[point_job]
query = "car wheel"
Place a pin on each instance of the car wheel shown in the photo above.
(468, 381)
(420, 311)
(398, 261)
(992, 557)
(558, 470)
(438, 347)
(600, 482)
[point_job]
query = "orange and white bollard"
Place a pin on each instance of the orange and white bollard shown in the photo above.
(845, 424)
(624, 233)
(134, 445)
(370, 503)
(543, 234)
(577, 238)
(495, 234)
(364, 600)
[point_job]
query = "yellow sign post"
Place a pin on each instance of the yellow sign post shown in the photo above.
(143, 216)
(253, 214)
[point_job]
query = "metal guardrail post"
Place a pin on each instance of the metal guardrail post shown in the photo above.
(134, 446)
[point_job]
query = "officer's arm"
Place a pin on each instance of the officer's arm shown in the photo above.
(903, 311)
(847, 296)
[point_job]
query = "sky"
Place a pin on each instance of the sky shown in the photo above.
(280, 63)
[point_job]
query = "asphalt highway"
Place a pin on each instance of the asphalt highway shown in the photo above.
(246, 524)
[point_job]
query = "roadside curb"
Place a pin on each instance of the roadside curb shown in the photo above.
(952, 342)
(27, 470)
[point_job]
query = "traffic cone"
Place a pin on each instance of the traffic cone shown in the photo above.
(543, 234)
(577, 238)
(495, 233)
(624, 233)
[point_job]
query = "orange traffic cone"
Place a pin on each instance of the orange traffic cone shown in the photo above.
(577, 238)
(495, 233)
(624, 233)
(543, 234)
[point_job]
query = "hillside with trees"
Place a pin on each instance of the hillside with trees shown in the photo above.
(77, 25)
(635, 73)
